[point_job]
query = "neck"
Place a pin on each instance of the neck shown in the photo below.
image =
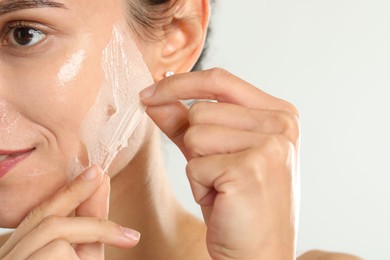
(141, 198)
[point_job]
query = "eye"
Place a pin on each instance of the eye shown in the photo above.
(19, 35)
(25, 36)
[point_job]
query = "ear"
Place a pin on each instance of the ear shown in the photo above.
(184, 39)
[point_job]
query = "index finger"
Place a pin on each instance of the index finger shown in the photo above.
(96, 206)
(214, 84)
(62, 204)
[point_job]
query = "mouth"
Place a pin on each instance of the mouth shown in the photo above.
(9, 159)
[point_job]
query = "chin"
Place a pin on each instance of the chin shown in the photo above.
(15, 210)
(18, 199)
(12, 220)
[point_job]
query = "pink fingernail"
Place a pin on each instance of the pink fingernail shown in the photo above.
(90, 174)
(131, 234)
(148, 92)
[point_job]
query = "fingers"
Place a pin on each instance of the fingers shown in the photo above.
(205, 140)
(215, 84)
(172, 120)
(96, 206)
(63, 203)
(243, 118)
(175, 119)
(241, 106)
(74, 231)
(238, 173)
(58, 249)
(48, 227)
(240, 185)
(242, 153)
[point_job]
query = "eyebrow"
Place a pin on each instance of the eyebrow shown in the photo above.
(9, 6)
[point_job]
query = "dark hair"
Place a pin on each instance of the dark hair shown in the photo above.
(150, 15)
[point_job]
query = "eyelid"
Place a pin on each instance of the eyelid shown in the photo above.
(22, 50)
(17, 24)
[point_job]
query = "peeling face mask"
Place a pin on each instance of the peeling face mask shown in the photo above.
(117, 110)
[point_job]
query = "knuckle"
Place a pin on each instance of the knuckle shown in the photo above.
(190, 168)
(254, 162)
(49, 223)
(62, 248)
(220, 72)
(294, 131)
(103, 222)
(291, 126)
(70, 191)
(219, 75)
(276, 147)
(190, 139)
(279, 153)
(267, 161)
(37, 213)
(61, 245)
(197, 106)
(292, 109)
(169, 82)
(195, 114)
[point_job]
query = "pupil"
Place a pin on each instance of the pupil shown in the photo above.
(23, 35)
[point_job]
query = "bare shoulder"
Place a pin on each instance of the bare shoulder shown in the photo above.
(322, 255)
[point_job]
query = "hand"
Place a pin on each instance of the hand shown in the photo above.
(49, 233)
(242, 157)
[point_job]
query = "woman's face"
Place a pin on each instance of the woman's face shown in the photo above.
(50, 73)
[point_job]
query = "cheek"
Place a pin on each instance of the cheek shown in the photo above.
(56, 97)
(47, 104)
(118, 109)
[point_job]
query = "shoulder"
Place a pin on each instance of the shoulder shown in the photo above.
(322, 255)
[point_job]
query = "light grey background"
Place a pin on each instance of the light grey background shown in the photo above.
(331, 58)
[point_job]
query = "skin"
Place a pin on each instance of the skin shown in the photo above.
(242, 152)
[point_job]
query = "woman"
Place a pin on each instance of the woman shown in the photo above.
(242, 152)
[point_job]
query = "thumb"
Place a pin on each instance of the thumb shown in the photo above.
(96, 206)
(172, 119)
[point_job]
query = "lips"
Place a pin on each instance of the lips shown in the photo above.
(9, 159)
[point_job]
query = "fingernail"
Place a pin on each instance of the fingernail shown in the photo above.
(90, 174)
(148, 92)
(131, 234)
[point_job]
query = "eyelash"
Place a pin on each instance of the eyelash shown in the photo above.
(8, 28)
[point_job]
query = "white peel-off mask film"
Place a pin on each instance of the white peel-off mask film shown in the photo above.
(117, 110)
